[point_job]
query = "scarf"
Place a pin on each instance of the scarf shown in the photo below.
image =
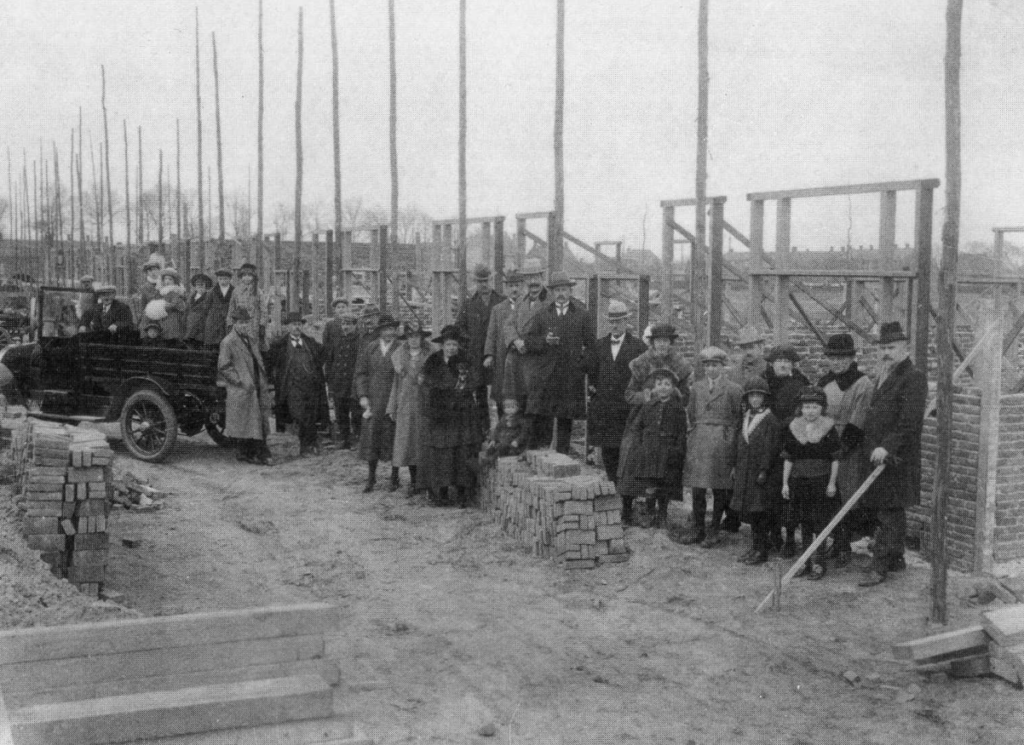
(810, 432)
(844, 379)
(751, 422)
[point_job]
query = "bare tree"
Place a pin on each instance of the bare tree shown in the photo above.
(241, 215)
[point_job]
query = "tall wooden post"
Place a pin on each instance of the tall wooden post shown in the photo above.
(947, 314)
(266, 275)
(392, 235)
(782, 240)
(923, 294)
(177, 199)
(520, 241)
(297, 273)
(499, 251)
(106, 140)
(668, 255)
(462, 248)
(756, 260)
(988, 441)
(160, 203)
(887, 251)
(201, 252)
(336, 124)
(83, 256)
(699, 308)
(715, 293)
(556, 222)
(382, 280)
(127, 193)
(220, 149)
(71, 253)
(138, 190)
(329, 288)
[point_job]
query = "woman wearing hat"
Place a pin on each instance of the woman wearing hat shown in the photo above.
(405, 407)
(220, 303)
(662, 354)
(374, 377)
(452, 432)
(150, 289)
(197, 306)
(247, 295)
(172, 325)
(810, 452)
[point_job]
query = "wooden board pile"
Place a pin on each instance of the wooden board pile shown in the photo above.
(995, 646)
(556, 510)
(64, 490)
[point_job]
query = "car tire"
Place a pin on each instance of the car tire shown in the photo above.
(149, 425)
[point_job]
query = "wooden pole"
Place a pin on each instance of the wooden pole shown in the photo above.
(220, 155)
(947, 317)
(463, 186)
(201, 252)
(260, 263)
(160, 202)
(59, 205)
(10, 187)
(70, 258)
(389, 237)
(698, 255)
(110, 184)
(138, 190)
(83, 258)
(555, 247)
(127, 193)
(823, 535)
(183, 261)
(297, 273)
(336, 121)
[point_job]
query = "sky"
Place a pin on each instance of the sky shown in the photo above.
(802, 93)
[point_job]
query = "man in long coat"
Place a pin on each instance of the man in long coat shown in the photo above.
(216, 325)
(608, 375)
(559, 337)
(240, 369)
(197, 306)
(474, 317)
(892, 435)
(715, 414)
(341, 348)
(519, 365)
(296, 366)
(497, 343)
(374, 376)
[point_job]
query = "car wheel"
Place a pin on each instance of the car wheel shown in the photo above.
(148, 425)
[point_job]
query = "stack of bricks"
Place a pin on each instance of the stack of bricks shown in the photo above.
(556, 509)
(65, 486)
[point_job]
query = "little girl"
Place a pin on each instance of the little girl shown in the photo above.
(810, 450)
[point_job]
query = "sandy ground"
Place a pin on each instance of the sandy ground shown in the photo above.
(451, 626)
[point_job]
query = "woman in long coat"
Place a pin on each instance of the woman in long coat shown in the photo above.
(452, 432)
(241, 371)
(375, 374)
(405, 406)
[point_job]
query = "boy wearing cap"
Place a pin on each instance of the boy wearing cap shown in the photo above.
(659, 431)
(248, 295)
(810, 452)
(295, 364)
(608, 375)
(558, 337)
(474, 318)
(715, 411)
(341, 348)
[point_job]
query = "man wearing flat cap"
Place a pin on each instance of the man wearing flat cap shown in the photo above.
(715, 414)
(750, 358)
(241, 371)
(474, 318)
(374, 377)
(848, 392)
(296, 363)
(892, 436)
(109, 319)
(559, 337)
(341, 348)
(87, 300)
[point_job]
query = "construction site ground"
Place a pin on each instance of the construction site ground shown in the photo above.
(453, 630)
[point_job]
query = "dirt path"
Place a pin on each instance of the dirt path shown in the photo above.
(451, 626)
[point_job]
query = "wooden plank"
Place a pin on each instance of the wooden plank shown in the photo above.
(691, 202)
(471, 220)
(170, 713)
(1002, 664)
(1005, 625)
(26, 677)
(929, 647)
(159, 681)
(109, 637)
(831, 191)
(970, 667)
(807, 319)
(681, 230)
(6, 736)
(532, 215)
(834, 273)
(333, 731)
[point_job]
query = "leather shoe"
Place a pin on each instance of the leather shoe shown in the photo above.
(898, 564)
(871, 578)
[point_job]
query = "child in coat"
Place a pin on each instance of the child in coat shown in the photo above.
(758, 471)
(659, 429)
(509, 436)
(811, 449)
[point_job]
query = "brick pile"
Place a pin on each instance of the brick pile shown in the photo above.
(65, 486)
(556, 509)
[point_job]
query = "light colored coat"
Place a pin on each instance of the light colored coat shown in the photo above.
(850, 407)
(497, 344)
(405, 407)
(519, 369)
(254, 302)
(715, 419)
(239, 367)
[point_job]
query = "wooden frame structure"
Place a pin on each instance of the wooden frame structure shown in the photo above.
(556, 253)
(493, 229)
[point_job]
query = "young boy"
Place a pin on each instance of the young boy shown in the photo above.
(758, 476)
(659, 429)
(510, 434)
(810, 449)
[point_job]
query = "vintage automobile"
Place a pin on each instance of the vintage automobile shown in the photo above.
(155, 391)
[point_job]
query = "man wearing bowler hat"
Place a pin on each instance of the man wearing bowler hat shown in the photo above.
(473, 320)
(892, 436)
(296, 364)
(848, 391)
(558, 337)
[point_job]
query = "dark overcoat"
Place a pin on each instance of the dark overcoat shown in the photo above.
(557, 390)
(785, 393)
(98, 321)
(608, 409)
(894, 421)
(196, 309)
(374, 376)
(340, 353)
(754, 457)
(216, 325)
(172, 327)
(240, 369)
(519, 367)
(659, 429)
(473, 319)
(452, 431)
(298, 378)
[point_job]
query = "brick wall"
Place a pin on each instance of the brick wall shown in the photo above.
(1009, 533)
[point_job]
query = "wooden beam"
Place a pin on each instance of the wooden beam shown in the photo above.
(681, 230)
(532, 215)
(807, 320)
(937, 645)
(988, 441)
(471, 220)
(1017, 229)
(834, 273)
(716, 290)
(535, 238)
(691, 202)
(735, 233)
(887, 249)
(830, 191)
(1010, 338)
(668, 226)
(756, 246)
(849, 323)
(577, 242)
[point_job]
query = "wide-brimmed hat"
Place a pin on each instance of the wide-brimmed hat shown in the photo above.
(560, 279)
(664, 331)
(415, 328)
(840, 345)
(532, 269)
(151, 264)
(617, 310)
(104, 290)
(812, 394)
(293, 317)
(247, 270)
(783, 352)
(240, 314)
(749, 334)
(756, 384)
(481, 273)
(86, 278)
(247, 265)
(450, 332)
(339, 301)
(664, 372)
(205, 278)
(714, 354)
(890, 332)
(171, 272)
(386, 321)
(223, 272)
(151, 325)
(513, 277)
